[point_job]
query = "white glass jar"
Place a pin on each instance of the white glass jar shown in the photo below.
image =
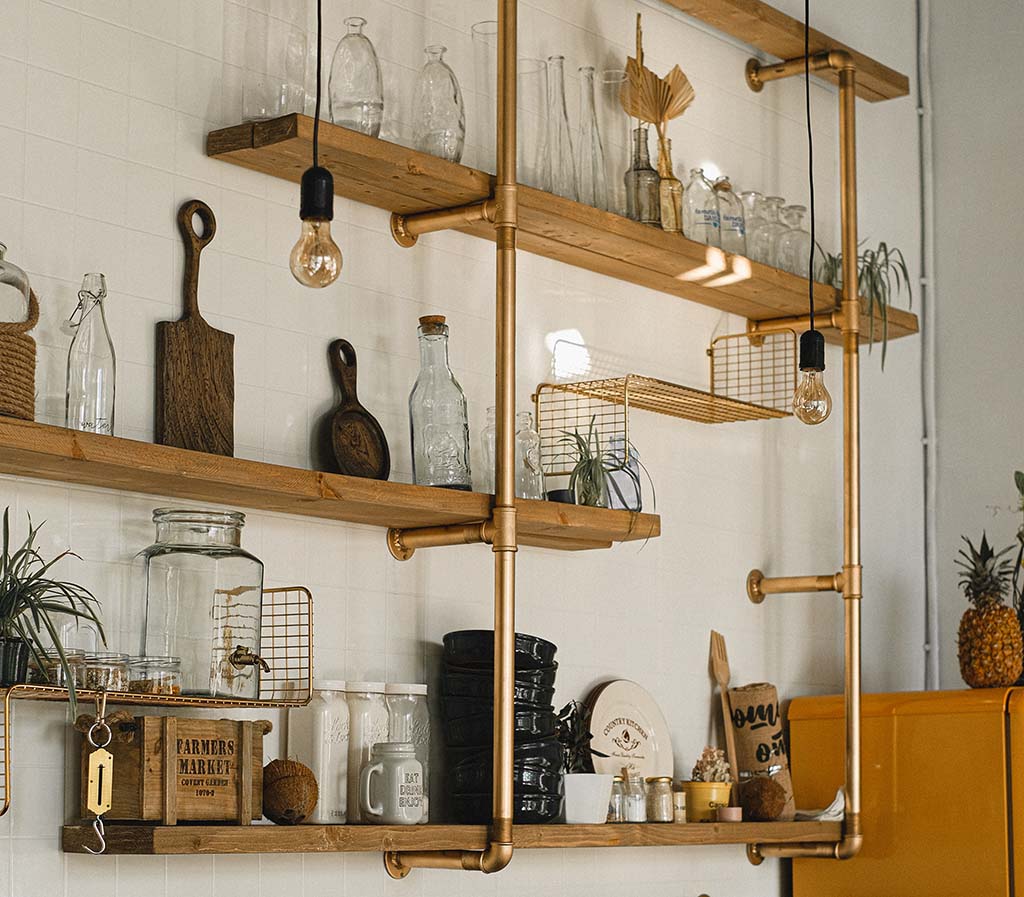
(409, 721)
(318, 736)
(368, 725)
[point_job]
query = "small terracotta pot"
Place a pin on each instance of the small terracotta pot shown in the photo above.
(704, 798)
(730, 814)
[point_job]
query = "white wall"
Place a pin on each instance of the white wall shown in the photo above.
(979, 315)
(104, 108)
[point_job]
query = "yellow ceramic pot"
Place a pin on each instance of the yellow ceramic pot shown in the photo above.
(704, 798)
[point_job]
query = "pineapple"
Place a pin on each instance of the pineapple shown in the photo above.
(990, 647)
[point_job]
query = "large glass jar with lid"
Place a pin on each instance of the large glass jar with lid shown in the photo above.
(318, 736)
(368, 725)
(203, 596)
(409, 721)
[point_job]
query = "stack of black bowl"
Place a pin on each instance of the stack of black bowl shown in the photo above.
(467, 706)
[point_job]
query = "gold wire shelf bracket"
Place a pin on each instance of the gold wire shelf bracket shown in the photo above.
(286, 644)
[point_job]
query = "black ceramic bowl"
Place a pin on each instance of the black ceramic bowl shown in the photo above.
(527, 809)
(456, 684)
(541, 677)
(475, 647)
(475, 777)
(458, 708)
(476, 730)
(546, 753)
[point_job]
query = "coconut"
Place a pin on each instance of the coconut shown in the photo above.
(290, 792)
(762, 798)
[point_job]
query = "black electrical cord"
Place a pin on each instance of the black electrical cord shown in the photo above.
(319, 69)
(810, 151)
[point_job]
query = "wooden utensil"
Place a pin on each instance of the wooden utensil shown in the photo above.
(195, 375)
(720, 670)
(358, 442)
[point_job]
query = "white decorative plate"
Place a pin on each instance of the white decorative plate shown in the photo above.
(630, 728)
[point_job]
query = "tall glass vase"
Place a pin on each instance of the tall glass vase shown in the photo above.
(643, 202)
(89, 397)
(273, 58)
(591, 170)
(616, 136)
(670, 190)
(559, 166)
(355, 87)
(438, 112)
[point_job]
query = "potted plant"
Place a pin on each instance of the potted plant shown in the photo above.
(710, 786)
(586, 793)
(881, 274)
(31, 605)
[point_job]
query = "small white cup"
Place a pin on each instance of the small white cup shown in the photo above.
(391, 785)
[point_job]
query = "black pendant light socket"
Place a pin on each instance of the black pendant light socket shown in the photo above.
(317, 194)
(812, 351)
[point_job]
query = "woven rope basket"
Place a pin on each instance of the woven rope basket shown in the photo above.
(18, 365)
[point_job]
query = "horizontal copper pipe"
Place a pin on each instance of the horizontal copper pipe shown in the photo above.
(406, 229)
(759, 73)
(759, 585)
(402, 543)
(795, 322)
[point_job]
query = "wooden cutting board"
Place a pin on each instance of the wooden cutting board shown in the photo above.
(195, 374)
(357, 441)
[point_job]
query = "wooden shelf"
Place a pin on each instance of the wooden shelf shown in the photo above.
(768, 29)
(398, 179)
(228, 839)
(69, 456)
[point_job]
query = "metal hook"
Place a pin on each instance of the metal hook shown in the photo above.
(101, 705)
(97, 826)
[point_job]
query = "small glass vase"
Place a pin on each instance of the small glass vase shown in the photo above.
(274, 60)
(591, 170)
(559, 165)
(438, 111)
(355, 88)
(643, 201)
(670, 190)
(794, 247)
(91, 371)
(763, 239)
(529, 476)
(616, 136)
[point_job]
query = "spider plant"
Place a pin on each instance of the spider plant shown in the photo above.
(881, 275)
(32, 603)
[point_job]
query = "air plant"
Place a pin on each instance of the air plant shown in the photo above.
(30, 600)
(589, 478)
(574, 736)
(881, 275)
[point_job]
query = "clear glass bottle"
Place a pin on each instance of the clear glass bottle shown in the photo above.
(753, 212)
(643, 202)
(488, 451)
(700, 210)
(591, 170)
(529, 476)
(670, 190)
(438, 112)
(409, 721)
(659, 799)
(635, 799)
(624, 491)
(559, 161)
(617, 136)
(763, 239)
(438, 414)
(730, 216)
(318, 736)
(794, 248)
(617, 802)
(203, 602)
(355, 87)
(91, 373)
(368, 725)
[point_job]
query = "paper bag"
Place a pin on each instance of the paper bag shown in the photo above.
(760, 743)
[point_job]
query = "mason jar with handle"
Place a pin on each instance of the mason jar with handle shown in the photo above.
(391, 785)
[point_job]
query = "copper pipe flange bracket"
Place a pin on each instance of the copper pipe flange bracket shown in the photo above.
(754, 855)
(400, 552)
(402, 237)
(754, 580)
(394, 866)
(753, 75)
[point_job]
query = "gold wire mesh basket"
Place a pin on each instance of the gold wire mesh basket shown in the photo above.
(752, 378)
(286, 644)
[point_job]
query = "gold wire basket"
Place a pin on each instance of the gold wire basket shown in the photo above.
(752, 378)
(286, 644)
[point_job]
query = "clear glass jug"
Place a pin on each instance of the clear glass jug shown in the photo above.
(91, 373)
(730, 216)
(204, 602)
(438, 112)
(700, 210)
(355, 88)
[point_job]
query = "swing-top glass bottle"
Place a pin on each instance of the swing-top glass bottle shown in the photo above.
(89, 393)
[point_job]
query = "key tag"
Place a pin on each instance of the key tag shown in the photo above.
(100, 773)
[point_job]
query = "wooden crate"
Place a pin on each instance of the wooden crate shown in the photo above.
(168, 770)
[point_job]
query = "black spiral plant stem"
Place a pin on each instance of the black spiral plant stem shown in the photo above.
(810, 151)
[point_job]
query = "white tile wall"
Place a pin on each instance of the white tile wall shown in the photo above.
(103, 112)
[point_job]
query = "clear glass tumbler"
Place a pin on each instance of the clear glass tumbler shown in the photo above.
(274, 66)
(439, 115)
(356, 87)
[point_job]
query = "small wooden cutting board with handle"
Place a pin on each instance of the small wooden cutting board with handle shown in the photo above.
(195, 374)
(358, 442)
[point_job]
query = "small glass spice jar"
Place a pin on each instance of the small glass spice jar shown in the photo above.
(50, 671)
(617, 802)
(635, 800)
(659, 799)
(679, 806)
(107, 671)
(154, 675)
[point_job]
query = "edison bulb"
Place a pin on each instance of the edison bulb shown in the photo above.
(316, 258)
(811, 401)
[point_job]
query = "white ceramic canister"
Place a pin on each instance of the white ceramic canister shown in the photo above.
(409, 721)
(368, 725)
(391, 785)
(318, 735)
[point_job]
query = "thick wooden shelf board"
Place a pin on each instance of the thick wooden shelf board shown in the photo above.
(771, 30)
(402, 180)
(229, 839)
(69, 456)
